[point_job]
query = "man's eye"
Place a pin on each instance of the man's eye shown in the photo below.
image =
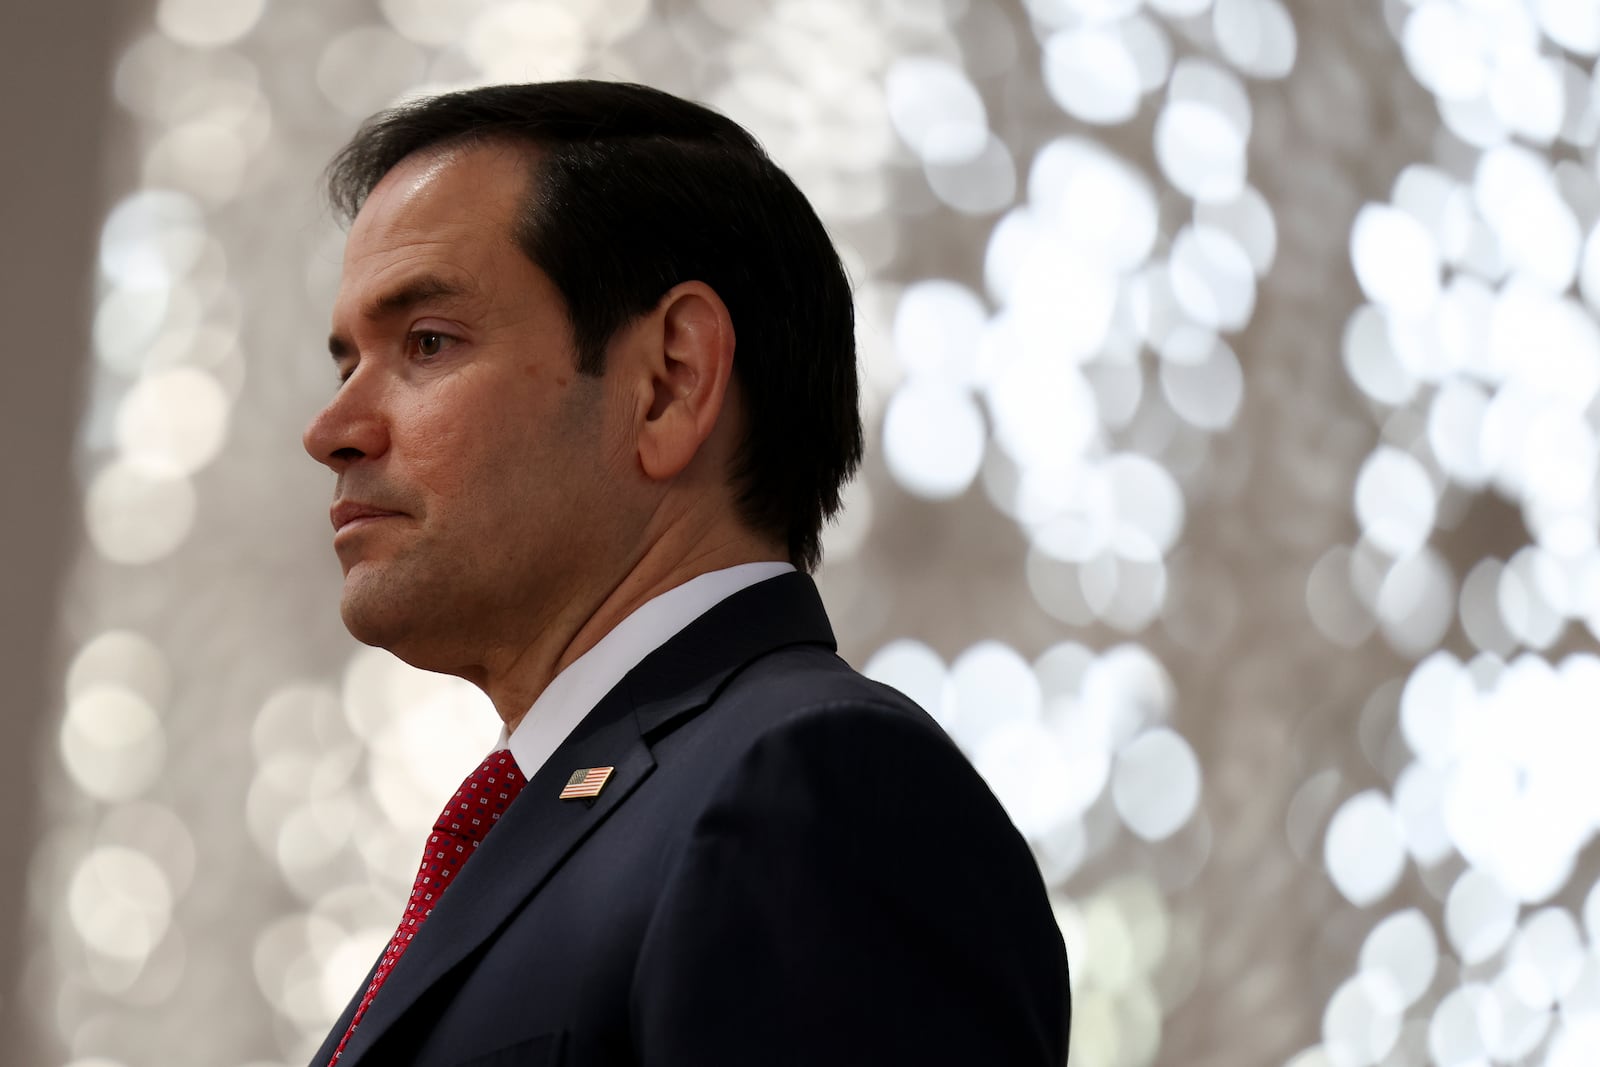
(429, 343)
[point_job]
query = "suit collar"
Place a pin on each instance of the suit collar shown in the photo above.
(538, 831)
(686, 673)
(581, 685)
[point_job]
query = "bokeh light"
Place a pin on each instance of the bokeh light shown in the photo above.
(1232, 501)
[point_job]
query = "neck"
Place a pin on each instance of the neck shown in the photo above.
(514, 681)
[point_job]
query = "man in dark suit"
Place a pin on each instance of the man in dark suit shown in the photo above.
(598, 395)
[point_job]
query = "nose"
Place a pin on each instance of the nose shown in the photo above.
(352, 426)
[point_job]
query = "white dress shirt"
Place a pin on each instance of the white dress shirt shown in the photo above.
(574, 692)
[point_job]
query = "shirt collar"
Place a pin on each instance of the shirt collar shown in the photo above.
(577, 689)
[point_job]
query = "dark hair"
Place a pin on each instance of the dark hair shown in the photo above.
(633, 190)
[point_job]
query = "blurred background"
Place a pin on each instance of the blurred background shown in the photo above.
(1231, 374)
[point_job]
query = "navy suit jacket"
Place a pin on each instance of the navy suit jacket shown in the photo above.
(790, 865)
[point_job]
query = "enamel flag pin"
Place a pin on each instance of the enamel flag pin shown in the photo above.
(586, 782)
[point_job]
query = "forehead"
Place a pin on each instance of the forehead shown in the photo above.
(458, 200)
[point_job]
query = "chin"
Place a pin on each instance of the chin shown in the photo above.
(405, 628)
(368, 627)
(376, 616)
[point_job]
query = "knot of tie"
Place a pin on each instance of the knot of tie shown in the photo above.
(484, 796)
(461, 827)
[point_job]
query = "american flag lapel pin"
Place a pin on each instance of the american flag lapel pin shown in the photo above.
(586, 782)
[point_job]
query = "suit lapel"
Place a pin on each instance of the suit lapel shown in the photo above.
(529, 842)
(539, 831)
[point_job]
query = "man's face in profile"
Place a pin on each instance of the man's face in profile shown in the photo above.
(473, 461)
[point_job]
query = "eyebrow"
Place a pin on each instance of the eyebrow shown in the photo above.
(414, 292)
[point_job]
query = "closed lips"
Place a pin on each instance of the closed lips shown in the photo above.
(346, 513)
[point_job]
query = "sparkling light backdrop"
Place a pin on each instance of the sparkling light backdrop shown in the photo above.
(1233, 381)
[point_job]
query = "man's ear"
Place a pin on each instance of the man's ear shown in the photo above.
(688, 362)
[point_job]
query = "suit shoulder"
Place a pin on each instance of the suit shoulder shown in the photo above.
(807, 681)
(802, 711)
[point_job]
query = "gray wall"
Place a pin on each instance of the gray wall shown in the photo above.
(54, 90)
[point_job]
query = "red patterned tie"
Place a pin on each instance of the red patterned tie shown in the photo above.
(463, 824)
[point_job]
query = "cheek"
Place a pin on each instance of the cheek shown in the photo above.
(454, 441)
(439, 453)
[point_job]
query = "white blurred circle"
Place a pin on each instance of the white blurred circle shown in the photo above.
(1403, 949)
(1464, 1027)
(1156, 784)
(1546, 958)
(1061, 305)
(1146, 498)
(935, 109)
(1364, 850)
(1537, 231)
(1371, 361)
(207, 157)
(913, 668)
(991, 685)
(1479, 916)
(120, 902)
(173, 421)
(1200, 150)
(112, 742)
(208, 23)
(1212, 278)
(128, 322)
(1202, 81)
(1522, 1026)
(1358, 1026)
(136, 515)
(430, 22)
(933, 439)
(979, 185)
(1140, 583)
(1416, 602)
(1546, 347)
(937, 328)
(1438, 201)
(1455, 431)
(1559, 458)
(1206, 394)
(1128, 689)
(1395, 501)
(1572, 24)
(151, 239)
(1526, 94)
(367, 68)
(1151, 48)
(1094, 201)
(1257, 36)
(1092, 75)
(1464, 314)
(1526, 612)
(1043, 413)
(1395, 260)
(1054, 584)
(1070, 513)
(1573, 1043)
(1447, 50)
(516, 40)
(1030, 775)
(1589, 269)
(1247, 218)
(1437, 693)
(123, 658)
